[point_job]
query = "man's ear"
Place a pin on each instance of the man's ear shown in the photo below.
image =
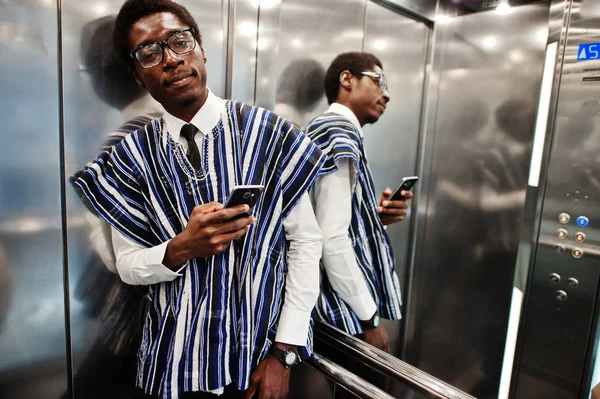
(138, 79)
(203, 54)
(346, 80)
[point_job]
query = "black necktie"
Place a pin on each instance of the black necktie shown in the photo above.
(188, 132)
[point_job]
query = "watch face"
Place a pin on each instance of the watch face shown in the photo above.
(376, 321)
(290, 358)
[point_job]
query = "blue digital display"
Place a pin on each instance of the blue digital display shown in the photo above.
(588, 51)
(582, 221)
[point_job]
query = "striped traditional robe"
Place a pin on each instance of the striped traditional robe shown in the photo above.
(212, 326)
(119, 306)
(339, 138)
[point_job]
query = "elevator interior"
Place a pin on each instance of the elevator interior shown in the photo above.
(466, 82)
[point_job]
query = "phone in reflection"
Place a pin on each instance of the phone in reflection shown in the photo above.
(407, 184)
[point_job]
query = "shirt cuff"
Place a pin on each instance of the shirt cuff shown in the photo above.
(154, 257)
(293, 327)
(363, 305)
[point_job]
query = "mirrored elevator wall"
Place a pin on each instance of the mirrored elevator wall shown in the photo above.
(32, 299)
(483, 96)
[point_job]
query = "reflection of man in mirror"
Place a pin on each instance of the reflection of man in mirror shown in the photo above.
(231, 297)
(299, 90)
(109, 367)
(360, 283)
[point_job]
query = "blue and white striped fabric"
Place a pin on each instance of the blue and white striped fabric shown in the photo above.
(119, 306)
(210, 327)
(339, 138)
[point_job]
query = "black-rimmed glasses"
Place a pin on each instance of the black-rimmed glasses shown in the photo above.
(379, 79)
(150, 55)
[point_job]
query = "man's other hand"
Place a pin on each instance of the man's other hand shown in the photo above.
(377, 337)
(270, 379)
(391, 212)
(208, 232)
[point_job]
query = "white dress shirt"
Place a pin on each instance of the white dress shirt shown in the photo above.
(138, 265)
(332, 200)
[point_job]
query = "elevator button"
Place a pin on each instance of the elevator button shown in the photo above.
(561, 295)
(577, 253)
(564, 218)
(555, 278)
(560, 249)
(573, 282)
(582, 221)
(579, 236)
(562, 234)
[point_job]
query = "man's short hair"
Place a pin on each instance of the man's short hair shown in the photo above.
(134, 10)
(355, 62)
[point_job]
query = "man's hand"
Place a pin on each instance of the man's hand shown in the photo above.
(271, 379)
(377, 337)
(208, 232)
(391, 212)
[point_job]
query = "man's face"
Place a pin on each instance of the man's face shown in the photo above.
(179, 80)
(368, 98)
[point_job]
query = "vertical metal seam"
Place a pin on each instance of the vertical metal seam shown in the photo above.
(364, 37)
(255, 88)
(229, 48)
(63, 200)
(419, 166)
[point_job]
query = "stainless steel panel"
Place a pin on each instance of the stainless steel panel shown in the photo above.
(291, 48)
(559, 330)
(245, 38)
(97, 100)
(485, 82)
(33, 354)
(392, 144)
(423, 8)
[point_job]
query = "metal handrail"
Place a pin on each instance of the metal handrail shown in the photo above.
(387, 364)
(346, 379)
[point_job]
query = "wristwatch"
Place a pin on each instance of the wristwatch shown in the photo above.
(287, 357)
(372, 323)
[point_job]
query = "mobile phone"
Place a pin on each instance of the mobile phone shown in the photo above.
(248, 195)
(407, 184)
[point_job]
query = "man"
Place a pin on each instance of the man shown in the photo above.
(360, 284)
(220, 320)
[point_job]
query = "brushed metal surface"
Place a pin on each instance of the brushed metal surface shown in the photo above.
(33, 346)
(245, 39)
(291, 48)
(423, 8)
(467, 242)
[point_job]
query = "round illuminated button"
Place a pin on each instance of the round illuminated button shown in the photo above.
(561, 295)
(582, 221)
(560, 249)
(577, 253)
(561, 233)
(580, 237)
(564, 218)
(555, 278)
